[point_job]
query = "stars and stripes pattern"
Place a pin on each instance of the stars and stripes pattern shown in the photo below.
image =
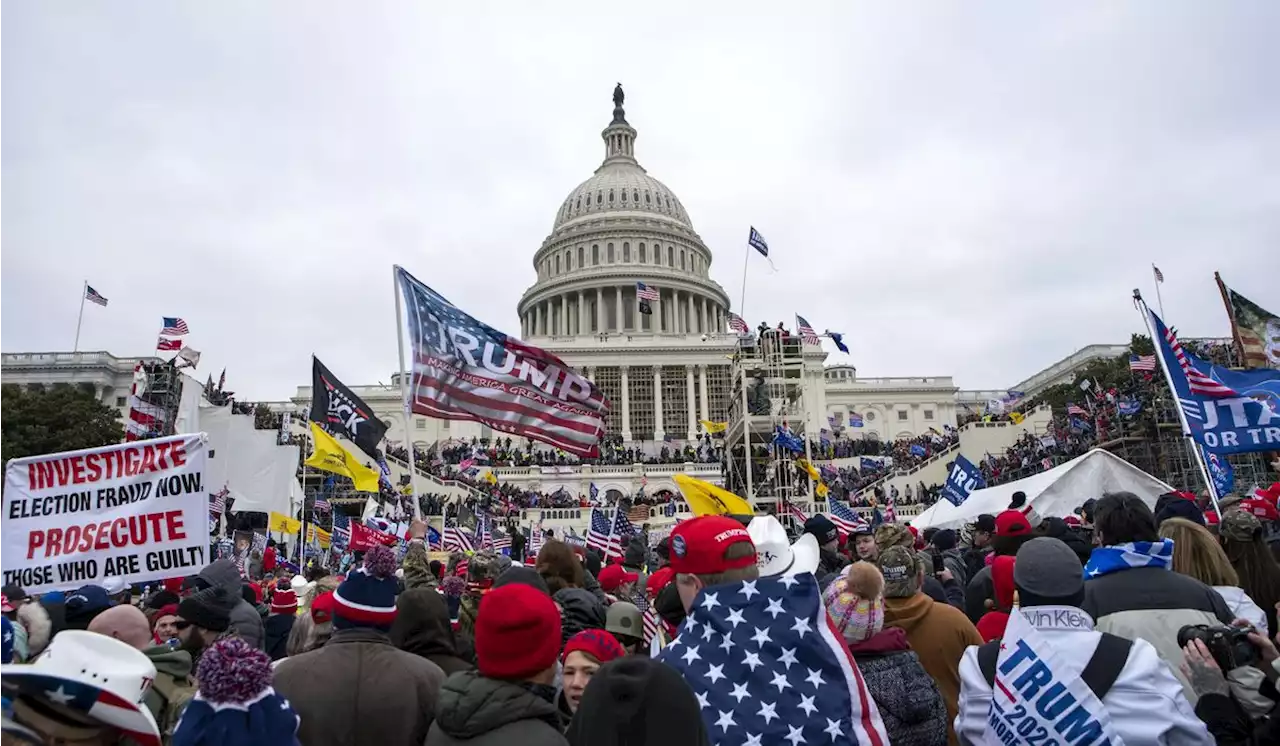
(99, 705)
(646, 292)
(737, 324)
(807, 333)
(1198, 382)
(535, 539)
(321, 505)
(846, 518)
(1076, 410)
(1139, 363)
(518, 389)
(173, 326)
(607, 537)
(890, 511)
(789, 508)
(218, 502)
(1156, 271)
(341, 531)
(456, 538)
(501, 542)
(93, 296)
(767, 667)
(484, 535)
(145, 420)
(651, 621)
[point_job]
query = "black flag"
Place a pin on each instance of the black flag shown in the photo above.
(336, 406)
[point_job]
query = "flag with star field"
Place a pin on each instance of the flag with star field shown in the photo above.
(768, 668)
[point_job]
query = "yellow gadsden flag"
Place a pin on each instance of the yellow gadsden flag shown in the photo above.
(283, 523)
(820, 489)
(705, 498)
(713, 427)
(331, 456)
(1017, 417)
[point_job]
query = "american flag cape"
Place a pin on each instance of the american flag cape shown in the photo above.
(768, 667)
(466, 370)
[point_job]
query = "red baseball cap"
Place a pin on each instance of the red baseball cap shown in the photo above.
(698, 545)
(659, 580)
(615, 575)
(1264, 510)
(1211, 518)
(1073, 521)
(1012, 523)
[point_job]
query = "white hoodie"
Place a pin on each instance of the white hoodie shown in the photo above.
(1146, 703)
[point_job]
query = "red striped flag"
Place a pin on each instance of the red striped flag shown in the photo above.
(1142, 362)
(737, 324)
(806, 331)
(646, 292)
(1197, 381)
(168, 344)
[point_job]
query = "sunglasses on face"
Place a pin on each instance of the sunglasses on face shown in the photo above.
(182, 624)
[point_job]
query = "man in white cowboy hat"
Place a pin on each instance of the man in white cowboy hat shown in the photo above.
(776, 555)
(86, 688)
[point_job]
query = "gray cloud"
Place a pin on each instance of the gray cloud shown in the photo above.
(960, 192)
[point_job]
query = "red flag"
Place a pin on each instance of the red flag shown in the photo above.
(364, 538)
(168, 344)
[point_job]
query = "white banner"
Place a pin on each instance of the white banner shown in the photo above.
(138, 510)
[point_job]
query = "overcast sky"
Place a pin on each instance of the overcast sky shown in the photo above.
(965, 189)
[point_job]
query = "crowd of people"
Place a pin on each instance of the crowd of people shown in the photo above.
(1156, 626)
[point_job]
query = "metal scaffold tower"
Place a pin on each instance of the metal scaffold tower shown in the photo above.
(161, 395)
(767, 394)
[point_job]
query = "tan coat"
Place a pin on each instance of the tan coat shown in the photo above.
(359, 690)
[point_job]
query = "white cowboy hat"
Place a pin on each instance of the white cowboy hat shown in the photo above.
(775, 555)
(99, 676)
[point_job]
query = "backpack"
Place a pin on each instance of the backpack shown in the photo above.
(1100, 673)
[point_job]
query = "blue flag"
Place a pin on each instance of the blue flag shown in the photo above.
(918, 450)
(1129, 407)
(787, 439)
(766, 667)
(870, 464)
(963, 480)
(1225, 411)
(1221, 472)
(839, 340)
(757, 242)
(855, 420)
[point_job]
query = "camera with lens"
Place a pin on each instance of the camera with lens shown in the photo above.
(1230, 646)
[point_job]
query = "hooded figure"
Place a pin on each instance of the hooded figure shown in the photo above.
(579, 610)
(633, 698)
(245, 619)
(422, 627)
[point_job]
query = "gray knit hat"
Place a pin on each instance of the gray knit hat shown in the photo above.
(1048, 568)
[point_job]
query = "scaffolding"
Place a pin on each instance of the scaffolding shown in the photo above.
(161, 396)
(767, 393)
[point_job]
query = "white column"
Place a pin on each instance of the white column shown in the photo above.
(582, 313)
(600, 310)
(626, 405)
(702, 383)
(564, 314)
(690, 395)
(537, 320)
(618, 304)
(591, 373)
(707, 326)
(694, 327)
(679, 313)
(658, 430)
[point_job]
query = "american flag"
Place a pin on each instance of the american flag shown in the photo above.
(1198, 382)
(793, 510)
(218, 502)
(164, 345)
(145, 420)
(1156, 271)
(539, 396)
(644, 292)
(1076, 410)
(737, 650)
(535, 539)
(737, 324)
(93, 296)
(98, 705)
(456, 538)
(845, 517)
(484, 536)
(1142, 362)
(341, 531)
(173, 326)
(501, 541)
(602, 535)
(890, 512)
(650, 624)
(806, 331)
(321, 505)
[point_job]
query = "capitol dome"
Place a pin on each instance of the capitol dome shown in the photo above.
(619, 231)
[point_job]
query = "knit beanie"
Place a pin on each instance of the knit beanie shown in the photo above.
(367, 598)
(209, 608)
(284, 602)
(596, 643)
(517, 633)
(235, 703)
(526, 575)
(637, 700)
(855, 602)
(944, 540)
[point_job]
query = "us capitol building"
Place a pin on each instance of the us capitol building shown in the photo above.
(663, 371)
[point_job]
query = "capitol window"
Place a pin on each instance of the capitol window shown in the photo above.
(557, 264)
(671, 256)
(641, 254)
(928, 414)
(595, 253)
(420, 424)
(578, 204)
(609, 254)
(599, 198)
(682, 259)
(635, 196)
(871, 417)
(582, 255)
(611, 196)
(647, 201)
(624, 195)
(902, 415)
(626, 251)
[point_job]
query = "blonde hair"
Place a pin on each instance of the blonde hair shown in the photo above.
(864, 580)
(1197, 553)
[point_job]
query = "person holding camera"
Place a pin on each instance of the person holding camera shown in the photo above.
(1206, 654)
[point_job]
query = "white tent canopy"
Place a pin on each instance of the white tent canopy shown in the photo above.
(1053, 493)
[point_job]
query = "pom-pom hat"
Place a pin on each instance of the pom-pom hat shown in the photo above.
(517, 633)
(698, 545)
(367, 598)
(235, 703)
(103, 678)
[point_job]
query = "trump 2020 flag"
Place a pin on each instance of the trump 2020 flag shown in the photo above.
(768, 668)
(963, 479)
(463, 369)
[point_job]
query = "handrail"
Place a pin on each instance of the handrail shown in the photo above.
(433, 478)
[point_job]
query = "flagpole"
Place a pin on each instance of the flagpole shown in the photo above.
(1173, 392)
(742, 305)
(404, 393)
(1159, 298)
(1231, 316)
(80, 319)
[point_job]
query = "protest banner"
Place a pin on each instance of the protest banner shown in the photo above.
(963, 479)
(138, 511)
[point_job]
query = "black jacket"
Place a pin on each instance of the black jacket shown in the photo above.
(477, 711)
(422, 627)
(275, 631)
